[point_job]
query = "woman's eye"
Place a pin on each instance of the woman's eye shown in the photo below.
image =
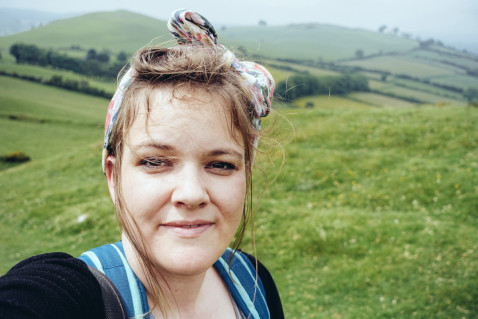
(221, 166)
(153, 162)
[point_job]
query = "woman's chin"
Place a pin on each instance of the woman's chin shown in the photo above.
(189, 261)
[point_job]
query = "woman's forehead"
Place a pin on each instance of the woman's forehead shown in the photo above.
(185, 113)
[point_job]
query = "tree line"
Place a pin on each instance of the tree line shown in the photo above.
(58, 81)
(95, 64)
(300, 85)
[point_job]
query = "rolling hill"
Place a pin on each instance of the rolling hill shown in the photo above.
(373, 214)
(397, 67)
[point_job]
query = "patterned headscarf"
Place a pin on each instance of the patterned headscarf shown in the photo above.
(189, 27)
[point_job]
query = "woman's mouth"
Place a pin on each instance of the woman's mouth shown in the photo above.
(186, 229)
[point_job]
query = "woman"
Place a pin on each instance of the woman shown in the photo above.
(181, 133)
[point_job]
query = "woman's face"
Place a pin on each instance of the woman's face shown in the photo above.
(183, 181)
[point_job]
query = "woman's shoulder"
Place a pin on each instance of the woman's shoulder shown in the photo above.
(272, 293)
(243, 266)
(53, 285)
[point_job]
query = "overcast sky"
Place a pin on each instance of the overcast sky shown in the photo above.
(453, 21)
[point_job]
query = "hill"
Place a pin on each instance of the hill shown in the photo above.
(400, 68)
(312, 41)
(374, 214)
(114, 31)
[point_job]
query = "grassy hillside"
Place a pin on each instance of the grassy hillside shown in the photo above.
(115, 31)
(123, 30)
(430, 69)
(312, 41)
(373, 215)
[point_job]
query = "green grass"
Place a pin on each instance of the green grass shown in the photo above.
(36, 102)
(425, 97)
(378, 100)
(373, 215)
(46, 73)
(406, 65)
(122, 30)
(462, 61)
(330, 102)
(116, 31)
(312, 41)
(427, 88)
(459, 80)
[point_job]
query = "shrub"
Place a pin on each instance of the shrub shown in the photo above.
(15, 157)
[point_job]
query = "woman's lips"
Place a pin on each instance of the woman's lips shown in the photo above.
(187, 229)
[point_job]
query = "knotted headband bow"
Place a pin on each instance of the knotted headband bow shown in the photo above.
(189, 27)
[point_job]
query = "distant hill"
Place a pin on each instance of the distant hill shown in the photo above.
(396, 66)
(313, 41)
(124, 30)
(115, 31)
(18, 20)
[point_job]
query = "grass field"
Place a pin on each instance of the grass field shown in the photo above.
(47, 73)
(414, 93)
(458, 80)
(295, 41)
(406, 65)
(373, 214)
(462, 61)
(126, 31)
(116, 31)
(375, 99)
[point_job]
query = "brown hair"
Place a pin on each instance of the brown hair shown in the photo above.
(190, 68)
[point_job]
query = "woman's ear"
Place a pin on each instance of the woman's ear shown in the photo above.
(110, 175)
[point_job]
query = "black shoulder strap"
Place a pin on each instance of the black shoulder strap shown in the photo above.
(114, 308)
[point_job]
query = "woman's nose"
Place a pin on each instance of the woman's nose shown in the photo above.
(190, 190)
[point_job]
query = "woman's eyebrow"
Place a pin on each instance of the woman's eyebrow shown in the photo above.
(149, 144)
(226, 152)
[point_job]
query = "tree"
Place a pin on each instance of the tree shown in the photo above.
(91, 55)
(382, 28)
(28, 53)
(471, 95)
(103, 57)
(122, 56)
(395, 30)
(262, 23)
(427, 43)
(359, 54)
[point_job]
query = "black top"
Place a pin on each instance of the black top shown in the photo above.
(57, 285)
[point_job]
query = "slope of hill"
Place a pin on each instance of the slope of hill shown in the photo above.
(411, 70)
(373, 216)
(312, 41)
(123, 30)
(115, 31)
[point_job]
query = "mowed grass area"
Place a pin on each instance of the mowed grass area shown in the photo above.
(373, 214)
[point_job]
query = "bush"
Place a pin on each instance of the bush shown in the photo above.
(15, 157)
(306, 84)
